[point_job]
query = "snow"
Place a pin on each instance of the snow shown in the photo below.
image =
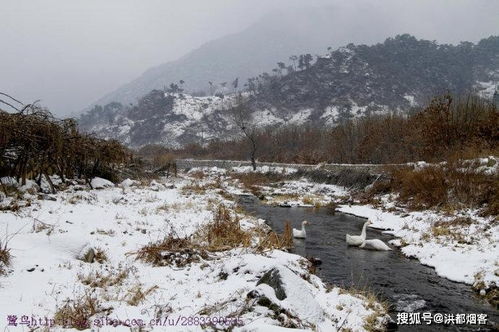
(357, 110)
(194, 108)
(486, 89)
(266, 117)
(9, 181)
(411, 99)
(264, 169)
(128, 183)
(300, 117)
(100, 183)
(330, 114)
(48, 238)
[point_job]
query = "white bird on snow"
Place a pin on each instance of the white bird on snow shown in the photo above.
(356, 240)
(300, 233)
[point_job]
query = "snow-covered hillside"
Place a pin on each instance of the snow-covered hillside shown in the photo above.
(354, 81)
(187, 119)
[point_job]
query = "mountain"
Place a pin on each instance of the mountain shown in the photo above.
(356, 80)
(258, 48)
(390, 76)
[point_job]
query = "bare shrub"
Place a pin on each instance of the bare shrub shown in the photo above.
(35, 145)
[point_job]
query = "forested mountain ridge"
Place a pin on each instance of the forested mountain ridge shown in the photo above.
(356, 80)
(394, 75)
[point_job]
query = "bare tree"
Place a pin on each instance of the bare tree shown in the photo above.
(240, 115)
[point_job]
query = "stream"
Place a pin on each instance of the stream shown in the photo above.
(404, 283)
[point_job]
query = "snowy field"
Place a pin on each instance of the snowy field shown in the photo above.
(74, 261)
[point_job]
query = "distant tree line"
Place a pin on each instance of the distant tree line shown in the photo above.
(445, 128)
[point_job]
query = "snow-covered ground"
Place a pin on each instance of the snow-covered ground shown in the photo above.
(77, 250)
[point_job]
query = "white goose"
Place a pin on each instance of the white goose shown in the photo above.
(356, 240)
(300, 233)
(375, 244)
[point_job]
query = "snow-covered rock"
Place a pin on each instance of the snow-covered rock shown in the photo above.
(9, 181)
(100, 183)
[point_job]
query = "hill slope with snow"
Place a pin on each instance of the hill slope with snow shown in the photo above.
(353, 81)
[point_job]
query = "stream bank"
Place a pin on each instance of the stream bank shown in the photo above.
(406, 284)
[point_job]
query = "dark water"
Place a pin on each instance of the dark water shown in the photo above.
(404, 283)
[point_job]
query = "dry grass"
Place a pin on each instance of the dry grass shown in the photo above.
(196, 188)
(197, 175)
(272, 240)
(372, 298)
(175, 207)
(371, 323)
(450, 187)
(422, 189)
(331, 207)
(459, 222)
(109, 232)
(77, 313)
(172, 250)
(254, 179)
(193, 189)
(5, 258)
(226, 195)
(136, 295)
(373, 302)
(314, 200)
(279, 198)
(308, 200)
(94, 255)
(224, 232)
(491, 292)
(101, 280)
(450, 229)
(79, 198)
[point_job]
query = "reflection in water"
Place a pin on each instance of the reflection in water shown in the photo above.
(404, 283)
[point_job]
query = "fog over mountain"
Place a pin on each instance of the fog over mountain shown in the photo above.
(70, 54)
(274, 38)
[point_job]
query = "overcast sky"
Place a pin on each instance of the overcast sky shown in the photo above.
(68, 53)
